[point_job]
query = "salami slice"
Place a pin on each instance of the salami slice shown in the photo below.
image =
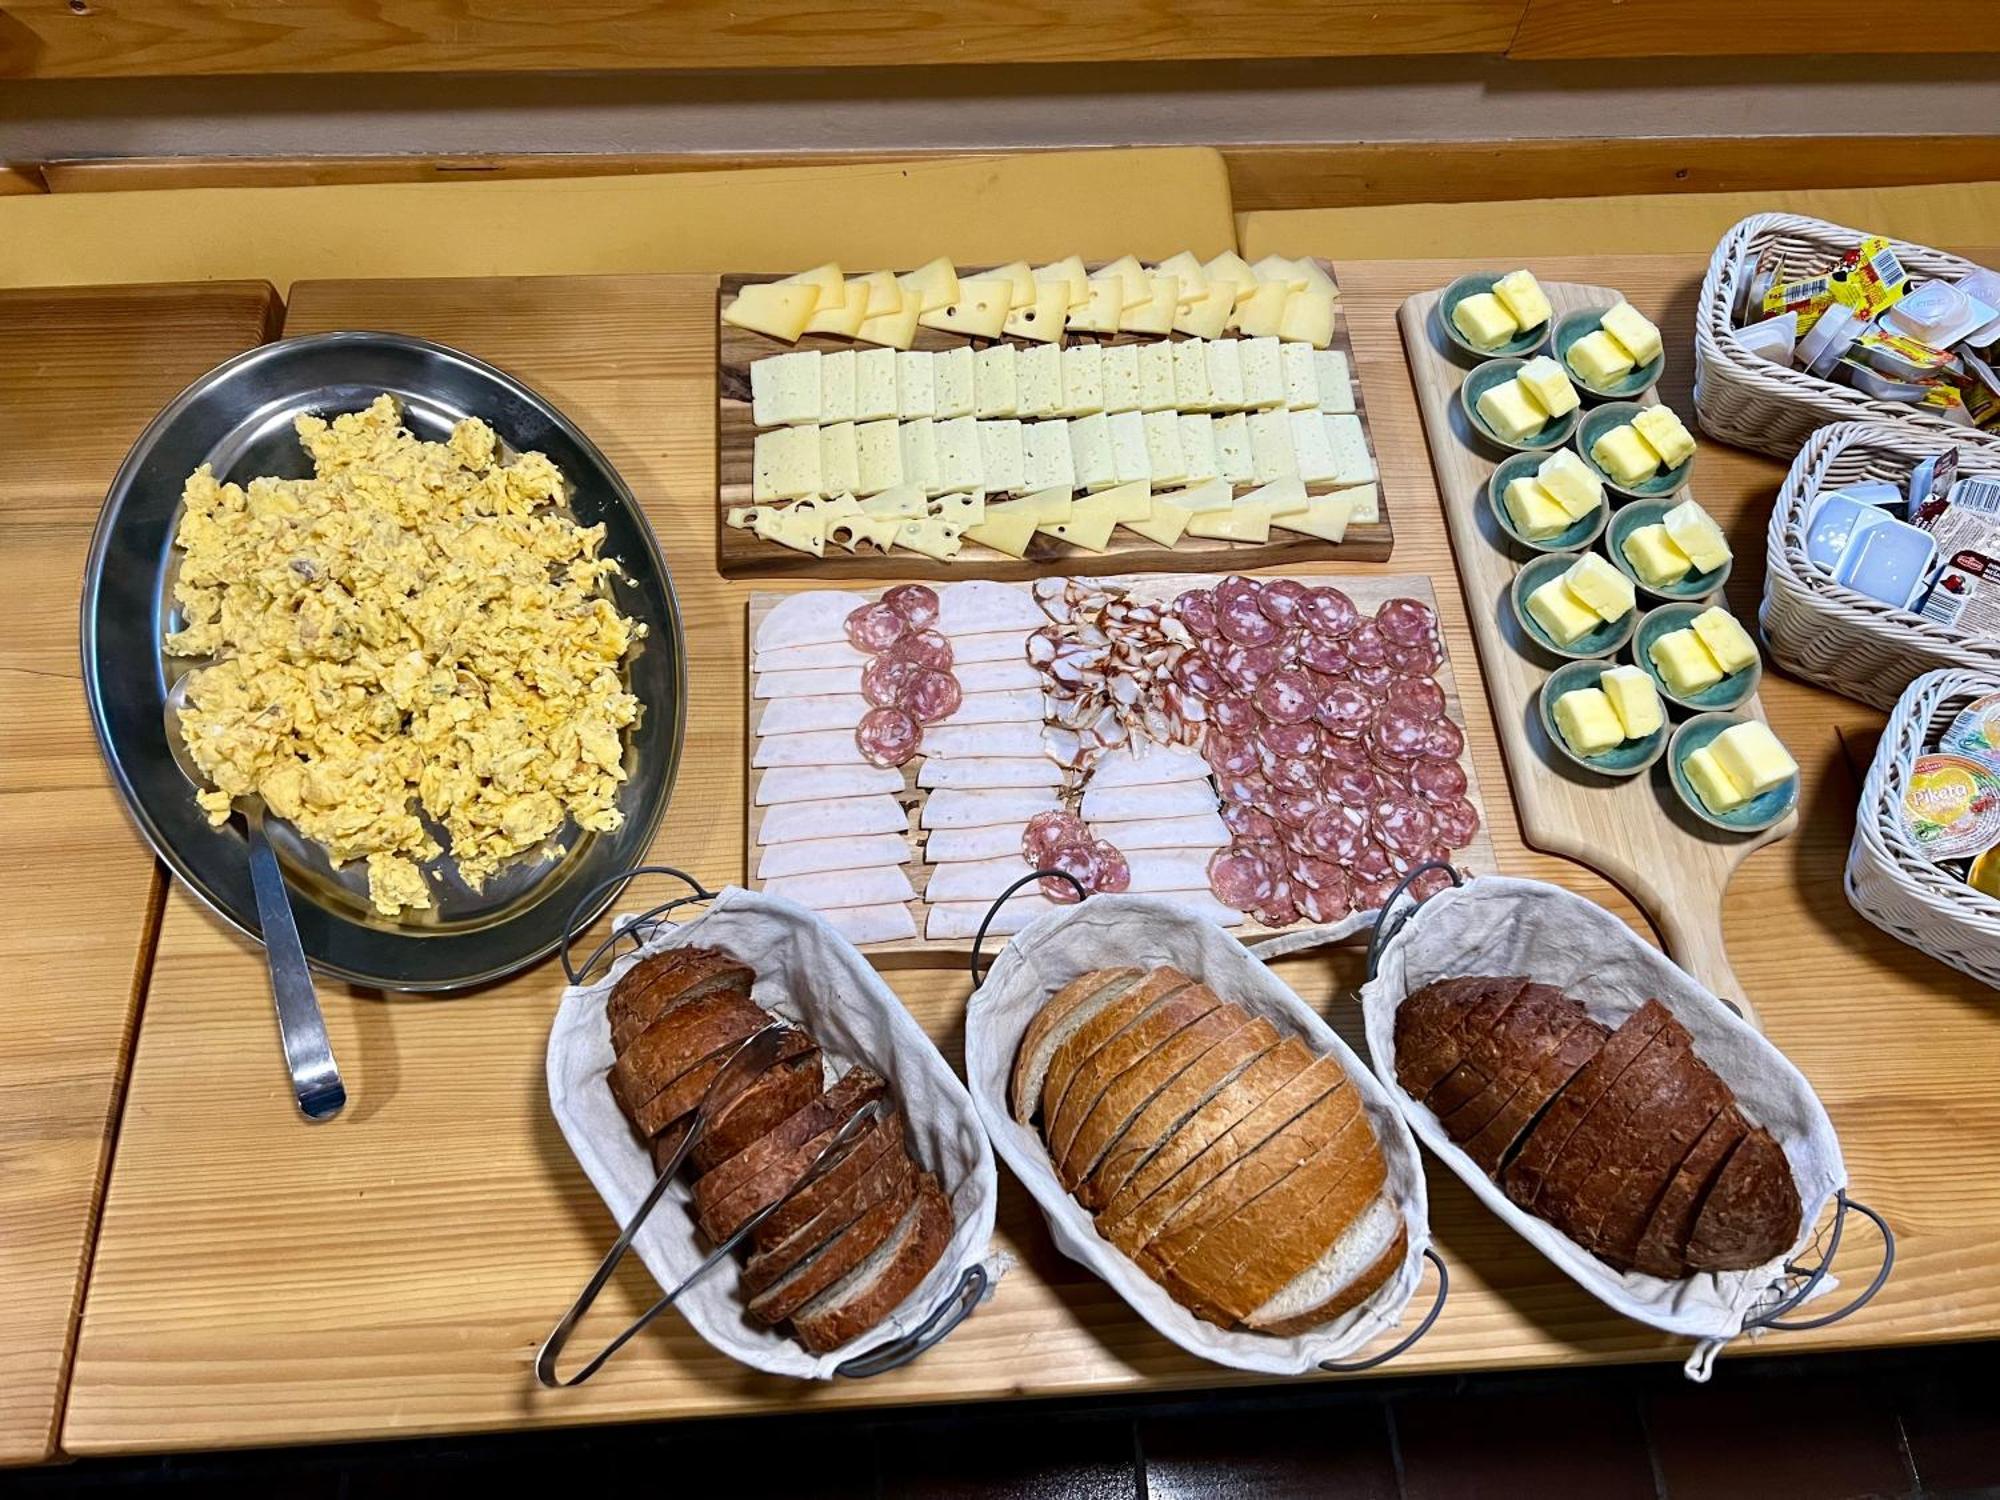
(926, 648)
(1329, 611)
(1295, 809)
(932, 696)
(1312, 873)
(1239, 879)
(1443, 740)
(916, 604)
(1113, 872)
(1344, 709)
(1342, 755)
(1401, 823)
(1280, 599)
(1246, 666)
(1285, 696)
(1290, 740)
(1419, 695)
(1293, 774)
(1438, 779)
(887, 736)
(1370, 861)
(884, 679)
(875, 627)
(1337, 832)
(1196, 610)
(1049, 831)
(1457, 821)
(1409, 621)
(1248, 789)
(1248, 823)
(1376, 677)
(1200, 676)
(1430, 883)
(1397, 733)
(1230, 755)
(1234, 712)
(1323, 653)
(1322, 904)
(1080, 863)
(1353, 786)
(1367, 645)
(1371, 894)
(1239, 616)
(1279, 909)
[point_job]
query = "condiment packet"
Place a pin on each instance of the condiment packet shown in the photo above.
(1975, 733)
(1805, 299)
(1951, 807)
(1870, 278)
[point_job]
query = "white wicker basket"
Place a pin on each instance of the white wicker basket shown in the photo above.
(1888, 879)
(1825, 633)
(1755, 404)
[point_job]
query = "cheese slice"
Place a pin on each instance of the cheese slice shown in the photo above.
(1310, 447)
(1191, 389)
(773, 309)
(1165, 462)
(1198, 446)
(1156, 377)
(1330, 376)
(839, 465)
(1164, 526)
(846, 319)
(1090, 452)
(875, 389)
(878, 455)
(1225, 374)
(1206, 315)
(954, 384)
(1260, 313)
(836, 383)
(784, 464)
(1124, 502)
(1088, 527)
(1240, 523)
(960, 466)
(919, 444)
(1279, 269)
(1038, 390)
(1301, 383)
(1130, 460)
(933, 284)
(902, 502)
(1366, 500)
(1271, 452)
(1004, 528)
(1002, 460)
(1231, 268)
(832, 289)
(785, 390)
(995, 391)
(1215, 494)
(1234, 462)
(885, 293)
(1156, 315)
(962, 511)
(1121, 378)
(916, 385)
(1350, 449)
(1308, 318)
(1263, 372)
(1045, 457)
(1045, 505)
(1316, 279)
(895, 330)
(1281, 497)
(1069, 274)
(1136, 285)
(1100, 310)
(1325, 516)
(1041, 318)
(1186, 270)
(1082, 380)
(849, 530)
(979, 311)
(930, 536)
(798, 526)
(1017, 274)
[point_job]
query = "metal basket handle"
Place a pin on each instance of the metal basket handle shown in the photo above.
(1001, 900)
(1775, 1318)
(934, 1330)
(1404, 1344)
(603, 893)
(1383, 931)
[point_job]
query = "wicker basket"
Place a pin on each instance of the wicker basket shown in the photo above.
(1755, 404)
(1888, 879)
(1818, 630)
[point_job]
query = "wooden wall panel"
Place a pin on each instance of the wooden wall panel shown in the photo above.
(1727, 28)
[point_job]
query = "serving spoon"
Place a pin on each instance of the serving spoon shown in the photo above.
(301, 1027)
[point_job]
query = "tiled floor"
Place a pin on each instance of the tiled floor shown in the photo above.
(1914, 1425)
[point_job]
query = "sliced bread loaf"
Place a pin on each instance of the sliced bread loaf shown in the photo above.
(1138, 1086)
(889, 1173)
(873, 1290)
(1052, 1025)
(766, 1170)
(1530, 1167)
(1643, 1091)
(1351, 1270)
(1500, 1061)
(1495, 1141)
(702, 972)
(1434, 1025)
(1148, 1033)
(685, 1093)
(849, 1246)
(781, 1090)
(679, 1041)
(1635, 1170)
(1082, 1044)
(863, 1153)
(1752, 1210)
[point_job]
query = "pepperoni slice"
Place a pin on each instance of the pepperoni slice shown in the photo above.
(1323, 653)
(1113, 873)
(1344, 708)
(926, 648)
(1286, 696)
(1049, 831)
(875, 627)
(1080, 863)
(1196, 610)
(1247, 822)
(1234, 712)
(916, 604)
(1443, 740)
(1329, 611)
(884, 679)
(1376, 677)
(1401, 823)
(1291, 740)
(1419, 695)
(1337, 832)
(1199, 675)
(1410, 621)
(1397, 733)
(1231, 755)
(1457, 821)
(1439, 779)
(1370, 861)
(1246, 666)
(1239, 879)
(887, 736)
(932, 696)
(1280, 598)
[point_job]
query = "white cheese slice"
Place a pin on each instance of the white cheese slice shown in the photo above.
(1198, 445)
(1018, 277)
(934, 285)
(1260, 313)
(1263, 372)
(901, 502)
(773, 309)
(1099, 311)
(1046, 505)
(1212, 494)
(1156, 315)
(1271, 454)
(1231, 268)
(879, 455)
(1350, 450)
(1311, 448)
(1301, 382)
(1191, 388)
(1166, 464)
(846, 319)
(1367, 503)
(893, 330)
(1330, 378)
(916, 394)
(920, 466)
(953, 382)
(978, 311)
(1004, 528)
(836, 383)
(994, 390)
(784, 464)
(1046, 459)
(1325, 516)
(1136, 285)
(1207, 315)
(1129, 460)
(1164, 526)
(1090, 451)
(874, 385)
(958, 456)
(1281, 270)
(1156, 377)
(930, 536)
(1038, 381)
(961, 511)
(1043, 319)
(1069, 274)
(839, 460)
(1082, 380)
(1281, 497)
(784, 389)
(1240, 523)
(1001, 460)
(1308, 317)
(1233, 459)
(1121, 378)
(1225, 374)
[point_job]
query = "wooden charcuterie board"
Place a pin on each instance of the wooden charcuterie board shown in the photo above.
(1634, 831)
(1367, 590)
(741, 554)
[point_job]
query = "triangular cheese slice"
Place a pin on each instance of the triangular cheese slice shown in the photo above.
(1042, 320)
(846, 319)
(1132, 501)
(1005, 528)
(832, 290)
(1207, 316)
(1090, 530)
(1046, 505)
(1156, 315)
(1164, 526)
(1131, 276)
(979, 311)
(1016, 273)
(1069, 273)
(1240, 523)
(772, 309)
(1325, 516)
(1281, 497)
(1101, 310)
(1232, 268)
(1213, 494)
(934, 283)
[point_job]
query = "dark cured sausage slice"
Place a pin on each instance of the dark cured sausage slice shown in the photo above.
(1419, 695)
(875, 627)
(1230, 754)
(1281, 598)
(932, 696)
(1443, 740)
(1329, 611)
(1246, 666)
(926, 648)
(1323, 654)
(1344, 708)
(1353, 786)
(1442, 779)
(1233, 712)
(1200, 676)
(1295, 809)
(1286, 696)
(1396, 732)
(1367, 646)
(1080, 862)
(915, 603)
(1239, 616)
(1293, 740)
(885, 678)
(1343, 755)
(1457, 821)
(1375, 676)
(1240, 879)
(1196, 609)
(1401, 823)
(1409, 621)
(1248, 823)
(1113, 873)
(887, 736)
(1337, 832)
(1049, 831)
(1293, 774)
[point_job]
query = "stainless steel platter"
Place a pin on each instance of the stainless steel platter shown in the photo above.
(238, 418)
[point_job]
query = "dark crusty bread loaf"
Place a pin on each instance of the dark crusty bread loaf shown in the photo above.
(666, 984)
(1752, 1210)
(679, 1040)
(850, 1245)
(1630, 1176)
(863, 1152)
(685, 1093)
(1495, 1141)
(1434, 1025)
(1662, 1247)
(1539, 1153)
(1504, 1058)
(1643, 1091)
(777, 1093)
(1072, 1005)
(766, 1170)
(888, 1174)
(1118, 1056)
(1076, 1050)
(884, 1281)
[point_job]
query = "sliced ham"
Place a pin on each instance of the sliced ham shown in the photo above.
(808, 619)
(1020, 706)
(862, 925)
(946, 742)
(881, 886)
(1206, 831)
(835, 818)
(805, 658)
(1165, 870)
(975, 880)
(1152, 765)
(1000, 839)
(810, 783)
(798, 715)
(999, 645)
(996, 676)
(816, 747)
(1173, 799)
(985, 771)
(815, 683)
(948, 809)
(811, 856)
(961, 919)
(979, 607)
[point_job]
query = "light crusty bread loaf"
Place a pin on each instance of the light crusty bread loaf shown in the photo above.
(1662, 1248)
(1137, 1086)
(848, 1248)
(863, 1152)
(1145, 1036)
(1051, 1026)
(685, 1093)
(889, 1173)
(679, 1041)
(884, 1281)
(1353, 1269)
(1082, 1043)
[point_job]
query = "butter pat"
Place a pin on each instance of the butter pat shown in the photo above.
(1637, 335)
(1623, 454)
(1523, 298)
(1694, 531)
(1543, 379)
(1509, 412)
(1484, 320)
(1686, 665)
(1634, 700)
(1565, 617)
(1577, 489)
(1598, 358)
(1710, 782)
(1655, 557)
(1537, 514)
(1727, 641)
(1752, 757)
(1587, 721)
(1666, 434)
(1608, 592)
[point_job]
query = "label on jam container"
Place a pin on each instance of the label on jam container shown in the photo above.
(1951, 807)
(1871, 279)
(1975, 733)
(1966, 595)
(1901, 357)
(1808, 298)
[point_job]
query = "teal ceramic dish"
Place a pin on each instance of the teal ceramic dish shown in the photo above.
(1575, 538)
(1647, 513)
(1628, 759)
(1602, 641)
(1732, 692)
(1554, 432)
(1754, 816)
(1526, 342)
(1572, 326)
(1601, 420)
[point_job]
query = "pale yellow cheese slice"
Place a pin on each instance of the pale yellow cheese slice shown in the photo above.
(1005, 528)
(1017, 275)
(903, 501)
(1122, 502)
(1260, 312)
(846, 319)
(930, 536)
(962, 511)
(1131, 276)
(895, 330)
(1187, 271)
(848, 530)
(935, 284)
(1231, 268)
(773, 309)
(1041, 320)
(1325, 516)
(979, 311)
(1211, 494)
(1157, 314)
(1207, 316)
(1088, 528)
(1164, 526)
(1240, 523)
(1068, 273)
(1308, 319)
(885, 293)
(1102, 308)
(1281, 497)
(1282, 270)
(832, 290)
(1046, 505)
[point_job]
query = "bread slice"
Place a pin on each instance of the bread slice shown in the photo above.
(1353, 1269)
(1434, 1024)
(780, 1091)
(1642, 1093)
(862, 1155)
(1524, 1175)
(1138, 1085)
(679, 1041)
(1083, 1043)
(1662, 1247)
(1144, 1038)
(1632, 1174)
(681, 1097)
(1052, 1025)
(1496, 1140)
(1275, 1083)
(1486, 1050)
(1752, 1210)
(766, 1170)
(703, 973)
(848, 1248)
(889, 1174)
(1502, 1059)
(626, 1003)
(880, 1284)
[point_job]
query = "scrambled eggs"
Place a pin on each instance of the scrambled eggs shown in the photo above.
(418, 626)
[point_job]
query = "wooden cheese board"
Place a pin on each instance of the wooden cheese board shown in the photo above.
(742, 554)
(1367, 591)
(1634, 831)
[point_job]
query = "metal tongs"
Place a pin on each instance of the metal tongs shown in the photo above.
(751, 1059)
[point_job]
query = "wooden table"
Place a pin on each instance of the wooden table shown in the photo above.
(259, 1281)
(81, 372)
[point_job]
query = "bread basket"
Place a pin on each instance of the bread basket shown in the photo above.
(1143, 931)
(810, 975)
(1770, 408)
(1889, 881)
(1827, 633)
(1492, 924)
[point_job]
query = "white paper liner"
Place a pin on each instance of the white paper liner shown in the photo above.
(808, 974)
(1497, 925)
(1112, 931)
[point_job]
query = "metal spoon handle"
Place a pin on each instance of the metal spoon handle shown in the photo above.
(301, 1027)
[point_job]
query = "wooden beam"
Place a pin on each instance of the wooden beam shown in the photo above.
(1725, 28)
(15, 180)
(78, 39)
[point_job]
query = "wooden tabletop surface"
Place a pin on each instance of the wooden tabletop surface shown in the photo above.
(81, 373)
(261, 1281)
